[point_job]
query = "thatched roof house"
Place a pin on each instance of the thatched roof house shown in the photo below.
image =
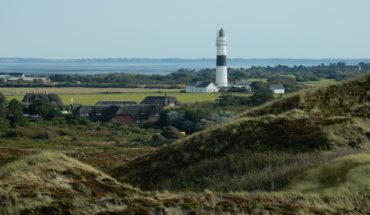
(136, 113)
(52, 98)
(161, 101)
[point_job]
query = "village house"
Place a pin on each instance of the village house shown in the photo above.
(137, 114)
(161, 101)
(129, 114)
(51, 98)
(243, 84)
(126, 112)
(82, 110)
(11, 76)
(277, 88)
(21, 77)
(202, 87)
(98, 113)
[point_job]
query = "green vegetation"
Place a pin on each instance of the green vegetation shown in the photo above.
(177, 79)
(3, 105)
(90, 99)
(345, 175)
(264, 80)
(306, 153)
(197, 162)
(321, 82)
(43, 109)
(15, 113)
(339, 71)
(349, 98)
(231, 155)
(53, 183)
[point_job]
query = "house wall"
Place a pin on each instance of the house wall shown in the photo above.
(124, 119)
(192, 89)
(279, 91)
(210, 89)
(153, 118)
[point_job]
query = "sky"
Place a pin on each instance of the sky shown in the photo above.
(184, 28)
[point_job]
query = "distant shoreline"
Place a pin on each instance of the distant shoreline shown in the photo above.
(146, 65)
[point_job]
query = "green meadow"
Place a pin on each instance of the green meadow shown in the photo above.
(134, 96)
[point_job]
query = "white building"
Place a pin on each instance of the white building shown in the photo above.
(202, 87)
(242, 84)
(21, 77)
(277, 88)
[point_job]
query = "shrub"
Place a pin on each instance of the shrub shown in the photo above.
(13, 134)
(159, 140)
(15, 114)
(46, 135)
(75, 120)
(3, 105)
(46, 110)
(171, 132)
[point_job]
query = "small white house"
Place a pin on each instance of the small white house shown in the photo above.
(277, 88)
(242, 84)
(202, 87)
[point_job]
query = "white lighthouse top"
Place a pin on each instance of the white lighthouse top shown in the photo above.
(221, 38)
(221, 33)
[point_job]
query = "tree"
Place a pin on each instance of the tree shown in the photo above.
(15, 113)
(261, 96)
(46, 110)
(227, 99)
(3, 105)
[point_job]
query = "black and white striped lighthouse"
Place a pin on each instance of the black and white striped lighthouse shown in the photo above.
(221, 69)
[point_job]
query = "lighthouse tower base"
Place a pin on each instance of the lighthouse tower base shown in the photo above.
(221, 76)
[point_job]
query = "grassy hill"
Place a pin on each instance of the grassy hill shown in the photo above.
(351, 98)
(52, 183)
(266, 147)
(307, 153)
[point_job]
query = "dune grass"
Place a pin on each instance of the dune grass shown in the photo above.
(344, 175)
(51, 182)
(207, 159)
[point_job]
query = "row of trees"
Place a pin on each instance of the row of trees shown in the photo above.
(337, 71)
(11, 113)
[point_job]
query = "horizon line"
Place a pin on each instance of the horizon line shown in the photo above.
(177, 58)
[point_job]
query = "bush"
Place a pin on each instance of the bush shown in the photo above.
(159, 140)
(46, 135)
(13, 134)
(75, 120)
(15, 114)
(171, 132)
(3, 105)
(260, 97)
(46, 110)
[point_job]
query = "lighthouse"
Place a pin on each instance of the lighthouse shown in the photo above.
(221, 69)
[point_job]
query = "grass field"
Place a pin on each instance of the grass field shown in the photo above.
(93, 95)
(79, 90)
(257, 80)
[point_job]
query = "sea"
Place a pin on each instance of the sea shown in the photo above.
(145, 66)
